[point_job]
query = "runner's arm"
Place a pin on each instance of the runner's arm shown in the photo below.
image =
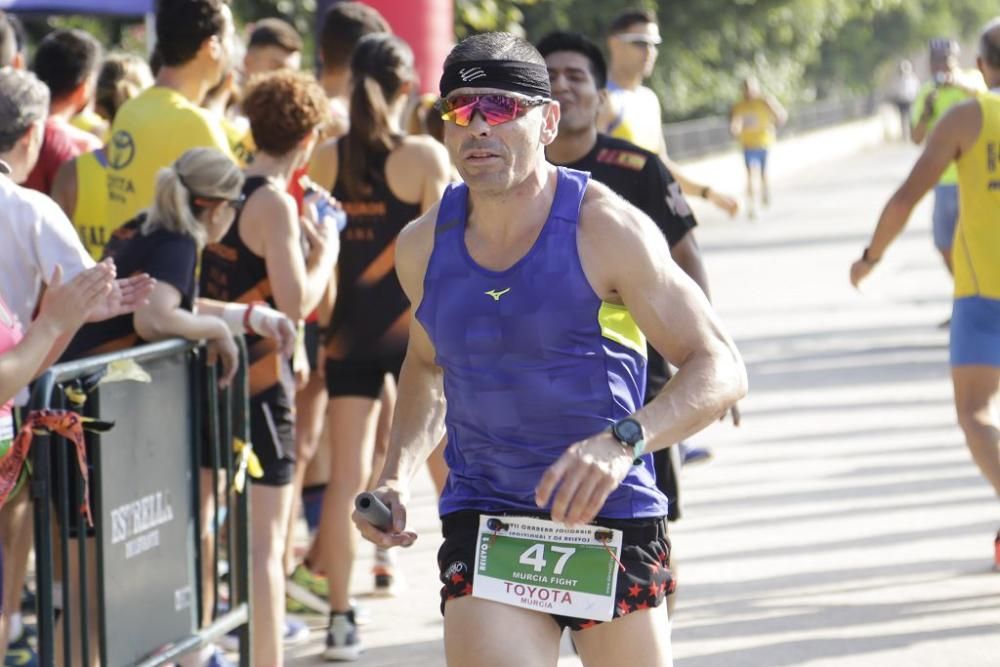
(418, 421)
(777, 111)
(956, 131)
(298, 283)
(626, 260)
(696, 188)
(687, 255)
(670, 308)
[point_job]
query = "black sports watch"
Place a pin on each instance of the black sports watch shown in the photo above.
(631, 435)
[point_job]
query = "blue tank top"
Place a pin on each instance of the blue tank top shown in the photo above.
(533, 362)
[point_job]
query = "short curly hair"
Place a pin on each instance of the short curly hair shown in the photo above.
(283, 107)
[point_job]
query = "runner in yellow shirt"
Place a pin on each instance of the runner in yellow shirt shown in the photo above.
(753, 121)
(948, 86)
(152, 130)
(969, 135)
(632, 111)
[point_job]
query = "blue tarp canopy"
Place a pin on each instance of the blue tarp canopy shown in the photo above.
(116, 7)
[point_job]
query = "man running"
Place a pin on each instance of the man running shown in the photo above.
(753, 120)
(949, 85)
(969, 135)
(632, 111)
(532, 289)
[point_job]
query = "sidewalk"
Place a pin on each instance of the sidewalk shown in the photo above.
(844, 524)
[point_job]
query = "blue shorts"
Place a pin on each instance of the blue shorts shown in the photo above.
(975, 332)
(756, 156)
(945, 216)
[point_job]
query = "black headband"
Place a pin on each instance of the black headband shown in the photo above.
(516, 76)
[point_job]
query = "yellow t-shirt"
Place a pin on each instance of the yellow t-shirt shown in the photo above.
(90, 217)
(637, 117)
(947, 97)
(240, 141)
(976, 251)
(90, 121)
(756, 123)
(150, 132)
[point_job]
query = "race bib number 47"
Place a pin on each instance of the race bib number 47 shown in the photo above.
(546, 566)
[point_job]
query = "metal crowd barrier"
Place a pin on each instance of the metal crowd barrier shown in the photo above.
(144, 498)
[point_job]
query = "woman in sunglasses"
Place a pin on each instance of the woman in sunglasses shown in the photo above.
(383, 180)
(260, 261)
(195, 203)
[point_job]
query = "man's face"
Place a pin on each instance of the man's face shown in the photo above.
(574, 88)
(494, 158)
(270, 58)
(635, 49)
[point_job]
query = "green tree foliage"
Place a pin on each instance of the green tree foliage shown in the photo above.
(801, 50)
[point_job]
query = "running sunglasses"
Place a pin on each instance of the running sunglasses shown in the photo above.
(494, 107)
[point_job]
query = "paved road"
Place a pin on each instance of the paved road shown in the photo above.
(844, 523)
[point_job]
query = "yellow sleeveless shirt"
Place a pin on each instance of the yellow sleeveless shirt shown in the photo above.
(90, 216)
(976, 252)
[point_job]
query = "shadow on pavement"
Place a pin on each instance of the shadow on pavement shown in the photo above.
(797, 652)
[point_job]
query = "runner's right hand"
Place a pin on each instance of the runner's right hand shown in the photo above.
(398, 537)
(322, 240)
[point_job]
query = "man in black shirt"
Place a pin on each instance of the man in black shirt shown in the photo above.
(578, 75)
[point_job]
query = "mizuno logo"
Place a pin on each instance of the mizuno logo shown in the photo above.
(495, 294)
(471, 73)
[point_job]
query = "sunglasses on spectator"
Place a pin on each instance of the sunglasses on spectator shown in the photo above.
(640, 40)
(199, 202)
(494, 107)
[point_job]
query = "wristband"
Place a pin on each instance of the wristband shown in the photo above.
(705, 191)
(246, 316)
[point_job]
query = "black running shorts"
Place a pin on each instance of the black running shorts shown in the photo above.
(644, 584)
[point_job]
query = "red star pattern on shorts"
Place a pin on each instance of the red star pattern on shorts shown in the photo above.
(641, 605)
(634, 590)
(653, 567)
(457, 578)
(623, 607)
(654, 589)
(586, 624)
(467, 590)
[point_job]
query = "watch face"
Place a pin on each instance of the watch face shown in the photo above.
(629, 430)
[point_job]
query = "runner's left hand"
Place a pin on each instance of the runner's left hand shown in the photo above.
(585, 475)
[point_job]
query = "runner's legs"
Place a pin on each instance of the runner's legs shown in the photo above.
(638, 639)
(353, 421)
(270, 507)
(977, 403)
(310, 408)
(483, 633)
